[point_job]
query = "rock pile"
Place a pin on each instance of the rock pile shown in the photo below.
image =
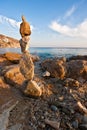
(63, 105)
(27, 69)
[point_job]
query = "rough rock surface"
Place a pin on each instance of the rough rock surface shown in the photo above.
(12, 57)
(6, 41)
(56, 67)
(71, 82)
(77, 68)
(56, 108)
(13, 75)
(32, 89)
(27, 66)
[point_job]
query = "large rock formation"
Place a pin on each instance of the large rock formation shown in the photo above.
(59, 97)
(6, 41)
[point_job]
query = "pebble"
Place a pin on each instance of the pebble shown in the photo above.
(54, 108)
(75, 124)
(46, 74)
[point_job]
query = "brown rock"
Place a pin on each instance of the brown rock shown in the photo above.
(13, 57)
(6, 41)
(53, 124)
(71, 83)
(24, 27)
(13, 76)
(76, 69)
(56, 67)
(32, 89)
(27, 66)
(2, 83)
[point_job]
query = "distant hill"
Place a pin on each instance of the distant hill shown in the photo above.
(6, 41)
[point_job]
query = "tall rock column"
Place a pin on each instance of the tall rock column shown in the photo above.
(27, 69)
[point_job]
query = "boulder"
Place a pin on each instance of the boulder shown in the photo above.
(76, 69)
(32, 89)
(26, 66)
(13, 76)
(13, 57)
(56, 67)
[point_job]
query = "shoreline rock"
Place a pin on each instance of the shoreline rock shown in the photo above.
(57, 96)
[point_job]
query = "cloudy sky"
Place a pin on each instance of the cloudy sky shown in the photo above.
(54, 23)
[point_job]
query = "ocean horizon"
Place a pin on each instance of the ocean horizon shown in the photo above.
(50, 52)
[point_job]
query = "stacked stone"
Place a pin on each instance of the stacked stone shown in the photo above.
(27, 69)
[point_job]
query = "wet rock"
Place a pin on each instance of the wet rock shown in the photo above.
(32, 89)
(78, 57)
(26, 66)
(56, 67)
(69, 82)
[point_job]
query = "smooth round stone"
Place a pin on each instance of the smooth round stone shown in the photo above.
(54, 108)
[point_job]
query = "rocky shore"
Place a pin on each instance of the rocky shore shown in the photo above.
(54, 99)
(6, 41)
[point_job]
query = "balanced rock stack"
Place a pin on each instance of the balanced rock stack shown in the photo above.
(27, 69)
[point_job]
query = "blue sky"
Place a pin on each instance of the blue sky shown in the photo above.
(54, 23)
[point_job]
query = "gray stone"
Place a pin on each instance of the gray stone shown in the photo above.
(54, 108)
(27, 66)
(75, 124)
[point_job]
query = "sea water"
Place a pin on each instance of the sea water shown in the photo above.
(49, 52)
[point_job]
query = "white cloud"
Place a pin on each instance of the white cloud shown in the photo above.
(79, 31)
(70, 11)
(12, 22)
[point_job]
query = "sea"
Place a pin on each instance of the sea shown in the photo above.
(49, 52)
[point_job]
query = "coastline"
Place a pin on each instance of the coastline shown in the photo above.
(62, 89)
